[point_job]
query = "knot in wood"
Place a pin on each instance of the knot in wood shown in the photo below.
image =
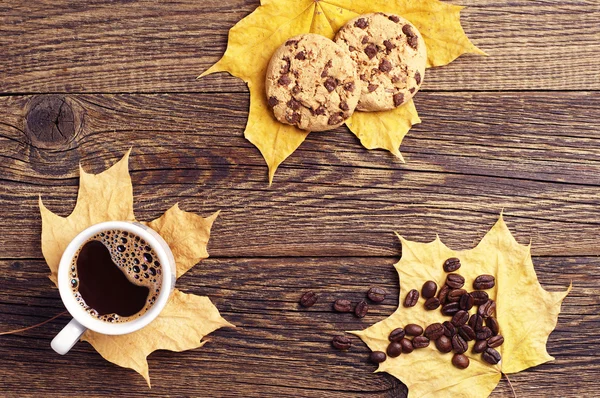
(50, 122)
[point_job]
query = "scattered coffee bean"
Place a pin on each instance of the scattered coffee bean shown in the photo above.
(444, 344)
(411, 298)
(455, 281)
(377, 356)
(487, 310)
(428, 290)
(432, 303)
(361, 309)
(308, 299)
(452, 264)
(484, 333)
(480, 346)
(407, 346)
(376, 294)
(394, 349)
(492, 323)
(443, 294)
(454, 295)
(396, 334)
(450, 309)
(460, 361)
(342, 305)
(495, 341)
(449, 329)
(476, 322)
(420, 342)
(491, 356)
(467, 332)
(466, 302)
(479, 297)
(459, 345)
(460, 318)
(341, 342)
(413, 329)
(434, 331)
(483, 282)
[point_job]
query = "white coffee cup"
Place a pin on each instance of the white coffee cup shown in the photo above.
(82, 320)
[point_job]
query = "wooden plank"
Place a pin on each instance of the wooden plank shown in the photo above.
(539, 160)
(286, 347)
(122, 46)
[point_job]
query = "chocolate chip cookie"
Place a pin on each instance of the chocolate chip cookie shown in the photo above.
(312, 83)
(391, 57)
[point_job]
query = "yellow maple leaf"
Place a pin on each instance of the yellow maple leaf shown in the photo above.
(255, 38)
(186, 318)
(527, 314)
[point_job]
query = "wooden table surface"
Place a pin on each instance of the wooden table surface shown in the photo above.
(518, 130)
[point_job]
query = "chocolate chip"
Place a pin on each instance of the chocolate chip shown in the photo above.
(296, 89)
(349, 87)
(273, 102)
(291, 42)
(335, 119)
(418, 77)
(286, 67)
(294, 118)
(352, 48)
(365, 40)
(363, 77)
(372, 87)
(389, 45)
(284, 80)
(371, 50)
(395, 79)
(330, 84)
(344, 106)
(408, 31)
(412, 90)
(413, 42)
(361, 23)
(320, 110)
(394, 18)
(293, 104)
(398, 99)
(385, 65)
(301, 56)
(326, 68)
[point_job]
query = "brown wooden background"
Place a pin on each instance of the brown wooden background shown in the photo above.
(518, 130)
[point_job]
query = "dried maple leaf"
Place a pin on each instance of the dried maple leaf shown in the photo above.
(253, 40)
(186, 318)
(526, 312)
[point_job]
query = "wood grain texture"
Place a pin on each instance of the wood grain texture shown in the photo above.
(516, 131)
(145, 46)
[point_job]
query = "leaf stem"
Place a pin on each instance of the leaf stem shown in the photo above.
(34, 326)
(510, 385)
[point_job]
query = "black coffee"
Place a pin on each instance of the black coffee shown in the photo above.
(115, 276)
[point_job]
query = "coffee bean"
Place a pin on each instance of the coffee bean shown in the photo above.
(450, 309)
(361, 309)
(407, 346)
(480, 346)
(413, 329)
(460, 361)
(466, 302)
(479, 297)
(308, 299)
(396, 334)
(467, 332)
(460, 318)
(491, 356)
(487, 310)
(483, 282)
(454, 295)
(476, 322)
(394, 349)
(444, 344)
(341, 342)
(484, 333)
(377, 356)
(411, 299)
(434, 331)
(493, 324)
(459, 345)
(428, 290)
(449, 329)
(455, 281)
(342, 305)
(443, 294)
(432, 303)
(452, 264)
(376, 294)
(495, 341)
(420, 342)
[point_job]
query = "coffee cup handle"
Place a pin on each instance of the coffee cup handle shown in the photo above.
(66, 338)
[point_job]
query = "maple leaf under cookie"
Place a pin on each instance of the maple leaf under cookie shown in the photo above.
(255, 38)
(526, 313)
(186, 318)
